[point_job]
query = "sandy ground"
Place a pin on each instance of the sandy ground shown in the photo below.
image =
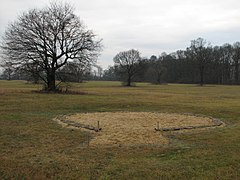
(134, 128)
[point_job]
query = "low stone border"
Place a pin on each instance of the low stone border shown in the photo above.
(77, 125)
(216, 122)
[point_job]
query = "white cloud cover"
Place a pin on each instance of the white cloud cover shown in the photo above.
(151, 26)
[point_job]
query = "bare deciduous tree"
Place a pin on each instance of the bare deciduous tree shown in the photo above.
(127, 62)
(158, 70)
(49, 38)
(201, 54)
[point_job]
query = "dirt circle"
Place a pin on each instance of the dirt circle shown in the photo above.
(133, 128)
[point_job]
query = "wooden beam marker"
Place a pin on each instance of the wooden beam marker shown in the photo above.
(98, 126)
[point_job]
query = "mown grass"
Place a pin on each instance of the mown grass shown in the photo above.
(32, 146)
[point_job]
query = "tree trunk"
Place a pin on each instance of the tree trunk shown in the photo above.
(9, 77)
(9, 72)
(201, 76)
(236, 73)
(129, 81)
(51, 84)
(159, 77)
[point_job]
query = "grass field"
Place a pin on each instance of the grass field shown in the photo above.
(33, 146)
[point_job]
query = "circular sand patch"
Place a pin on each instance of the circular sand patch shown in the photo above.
(133, 128)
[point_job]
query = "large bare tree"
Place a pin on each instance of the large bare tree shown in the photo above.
(127, 62)
(49, 38)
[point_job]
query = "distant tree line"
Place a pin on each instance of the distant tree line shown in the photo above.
(199, 63)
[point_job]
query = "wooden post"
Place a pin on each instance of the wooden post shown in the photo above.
(158, 126)
(98, 126)
(88, 139)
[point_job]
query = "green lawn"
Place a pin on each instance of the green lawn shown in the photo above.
(32, 146)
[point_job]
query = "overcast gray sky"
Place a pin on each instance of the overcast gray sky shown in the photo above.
(150, 26)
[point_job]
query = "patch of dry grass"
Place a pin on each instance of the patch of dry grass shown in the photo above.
(134, 128)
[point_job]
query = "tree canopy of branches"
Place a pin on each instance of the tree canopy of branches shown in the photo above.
(48, 38)
(127, 64)
(73, 72)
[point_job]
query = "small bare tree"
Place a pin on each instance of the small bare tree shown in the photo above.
(201, 54)
(49, 38)
(158, 71)
(127, 61)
